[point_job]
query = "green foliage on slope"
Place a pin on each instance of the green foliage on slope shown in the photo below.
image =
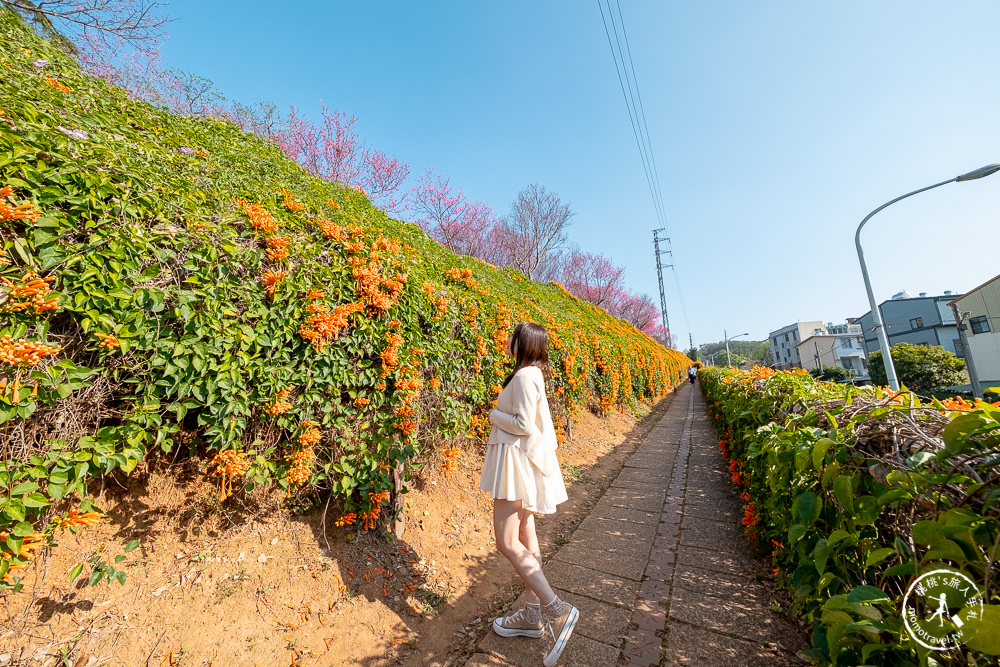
(196, 288)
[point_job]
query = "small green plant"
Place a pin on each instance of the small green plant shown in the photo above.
(575, 472)
(101, 569)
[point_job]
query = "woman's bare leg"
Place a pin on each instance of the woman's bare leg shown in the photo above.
(507, 527)
(526, 534)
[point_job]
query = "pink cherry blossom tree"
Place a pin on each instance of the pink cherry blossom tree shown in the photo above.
(589, 276)
(463, 226)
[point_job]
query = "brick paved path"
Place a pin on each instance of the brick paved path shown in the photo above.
(659, 570)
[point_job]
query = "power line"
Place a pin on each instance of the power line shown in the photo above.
(632, 114)
(640, 130)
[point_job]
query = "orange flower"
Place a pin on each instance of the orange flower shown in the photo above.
(54, 83)
(24, 352)
(290, 203)
(346, 520)
(315, 294)
(270, 280)
(259, 217)
(77, 518)
(107, 340)
(434, 383)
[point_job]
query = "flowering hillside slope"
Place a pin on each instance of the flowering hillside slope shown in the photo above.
(174, 282)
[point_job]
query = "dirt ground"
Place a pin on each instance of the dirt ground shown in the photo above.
(211, 585)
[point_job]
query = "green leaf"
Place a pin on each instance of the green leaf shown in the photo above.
(843, 491)
(986, 637)
(35, 501)
(945, 549)
(878, 556)
(75, 572)
(23, 488)
(23, 529)
(131, 546)
(95, 577)
(926, 532)
(867, 594)
(809, 506)
(819, 451)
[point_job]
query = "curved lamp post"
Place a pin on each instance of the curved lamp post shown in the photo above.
(729, 359)
(883, 338)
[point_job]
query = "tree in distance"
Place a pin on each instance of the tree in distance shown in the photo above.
(921, 368)
(832, 374)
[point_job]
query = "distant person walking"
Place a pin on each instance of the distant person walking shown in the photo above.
(692, 374)
(522, 475)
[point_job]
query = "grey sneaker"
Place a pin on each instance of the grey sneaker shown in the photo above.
(561, 628)
(518, 625)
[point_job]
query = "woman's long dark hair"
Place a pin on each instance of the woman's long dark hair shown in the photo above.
(530, 343)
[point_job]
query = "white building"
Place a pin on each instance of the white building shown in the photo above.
(785, 340)
(983, 332)
(824, 348)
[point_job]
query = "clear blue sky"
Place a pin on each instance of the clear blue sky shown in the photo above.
(775, 126)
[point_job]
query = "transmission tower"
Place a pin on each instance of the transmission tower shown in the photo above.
(659, 270)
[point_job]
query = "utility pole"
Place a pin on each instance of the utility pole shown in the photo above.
(659, 271)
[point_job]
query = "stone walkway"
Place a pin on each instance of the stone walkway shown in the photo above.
(659, 569)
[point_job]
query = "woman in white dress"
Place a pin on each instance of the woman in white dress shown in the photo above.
(522, 475)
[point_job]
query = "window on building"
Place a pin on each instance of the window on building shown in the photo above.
(786, 338)
(795, 335)
(959, 350)
(979, 325)
(916, 322)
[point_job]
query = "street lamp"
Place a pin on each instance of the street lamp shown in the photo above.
(729, 359)
(883, 338)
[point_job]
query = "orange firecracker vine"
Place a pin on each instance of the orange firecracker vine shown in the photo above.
(290, 203)
(107, 340)
(258, 216)
(270, 280)
(229, 463)
(52, 82)
(18, 212)
(30, 293)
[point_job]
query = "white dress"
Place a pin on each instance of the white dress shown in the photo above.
(508, 473)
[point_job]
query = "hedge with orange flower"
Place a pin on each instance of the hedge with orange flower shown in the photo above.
(854, 492)
(173, 282)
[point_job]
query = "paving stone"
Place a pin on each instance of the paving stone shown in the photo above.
(656, 485)
(613, 544)
(581, 651)
(591, 583)
(618, 528)
(608, 511)
(629, 566)
(648, 501)
(738, 562)
(686, 645)
(649, 614)
(642, 648)
(654, 591)
(717, 584)
(713, 512)
(748, 621)
(644, 475)
(711, 535)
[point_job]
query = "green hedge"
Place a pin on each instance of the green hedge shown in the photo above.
(855, 492)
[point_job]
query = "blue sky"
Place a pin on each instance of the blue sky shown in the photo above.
(775, 126)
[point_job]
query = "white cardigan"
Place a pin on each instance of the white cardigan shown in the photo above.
(522, 417)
